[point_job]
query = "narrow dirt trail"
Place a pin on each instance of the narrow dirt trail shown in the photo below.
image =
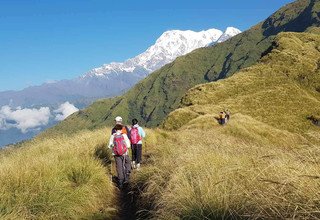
(126, 202)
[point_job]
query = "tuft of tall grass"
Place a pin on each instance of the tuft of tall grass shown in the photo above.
(209, 174)
(57, 178)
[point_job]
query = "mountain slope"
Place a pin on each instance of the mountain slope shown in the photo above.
(282, 90)
(263, 164)
(153, 98)
(114, 78)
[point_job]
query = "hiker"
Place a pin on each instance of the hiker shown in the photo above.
(125, 129)
(222, 118)
(120, 143)
(136, 133)
(227, 113)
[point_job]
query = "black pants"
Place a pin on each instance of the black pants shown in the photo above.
(136, 152)
(123, 166)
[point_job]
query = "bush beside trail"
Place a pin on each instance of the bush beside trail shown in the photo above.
(60, 178)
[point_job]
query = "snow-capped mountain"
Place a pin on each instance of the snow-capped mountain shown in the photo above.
(115, 78)
(105, 81)
(229, 32)
(168, 47)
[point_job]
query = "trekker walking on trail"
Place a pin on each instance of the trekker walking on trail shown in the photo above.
(119, 143)
(227, 113)
(125, 129)
(137, 134)
(222, 118)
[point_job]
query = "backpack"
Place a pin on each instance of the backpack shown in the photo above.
(134, 135)
(119, 147)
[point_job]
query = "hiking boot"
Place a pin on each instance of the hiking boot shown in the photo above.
(138, 166)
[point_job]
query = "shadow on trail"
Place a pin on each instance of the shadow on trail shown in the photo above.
(129, 201)
(126, 202)
(127, 198)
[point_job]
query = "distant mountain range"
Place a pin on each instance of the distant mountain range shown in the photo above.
(21, 118)
(154, 98)
(115, 78)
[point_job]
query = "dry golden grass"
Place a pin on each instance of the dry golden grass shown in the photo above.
(222, 172)
(61, 178)
(282, 90)
(263, 164)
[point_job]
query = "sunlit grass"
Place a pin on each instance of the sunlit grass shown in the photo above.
(61, 178)
(207, 174)
(263, 164)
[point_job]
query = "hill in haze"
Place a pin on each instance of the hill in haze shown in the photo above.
(154, 97)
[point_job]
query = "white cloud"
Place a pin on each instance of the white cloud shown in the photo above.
(23, 119)
(65, 110)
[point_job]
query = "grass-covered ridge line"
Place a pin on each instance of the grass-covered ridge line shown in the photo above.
(61, 178)
(281, 90)
(153, 98)
(263, 164)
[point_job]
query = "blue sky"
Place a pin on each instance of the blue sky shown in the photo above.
(44, 40)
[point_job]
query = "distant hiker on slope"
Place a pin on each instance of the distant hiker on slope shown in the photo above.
(222, 118)
(120, 143)
(227, 113)
(136, 133)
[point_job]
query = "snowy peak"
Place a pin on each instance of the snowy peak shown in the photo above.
(188, 35)
(170, 45)
(228, 33)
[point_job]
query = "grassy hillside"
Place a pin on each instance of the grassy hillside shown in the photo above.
(245, 170)
(60, 178)
(152, 99)
(263, 164)
(282, 90)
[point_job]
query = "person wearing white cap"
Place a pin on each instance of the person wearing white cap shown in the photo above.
(126, 159)
(118, 120)
(125, 129)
